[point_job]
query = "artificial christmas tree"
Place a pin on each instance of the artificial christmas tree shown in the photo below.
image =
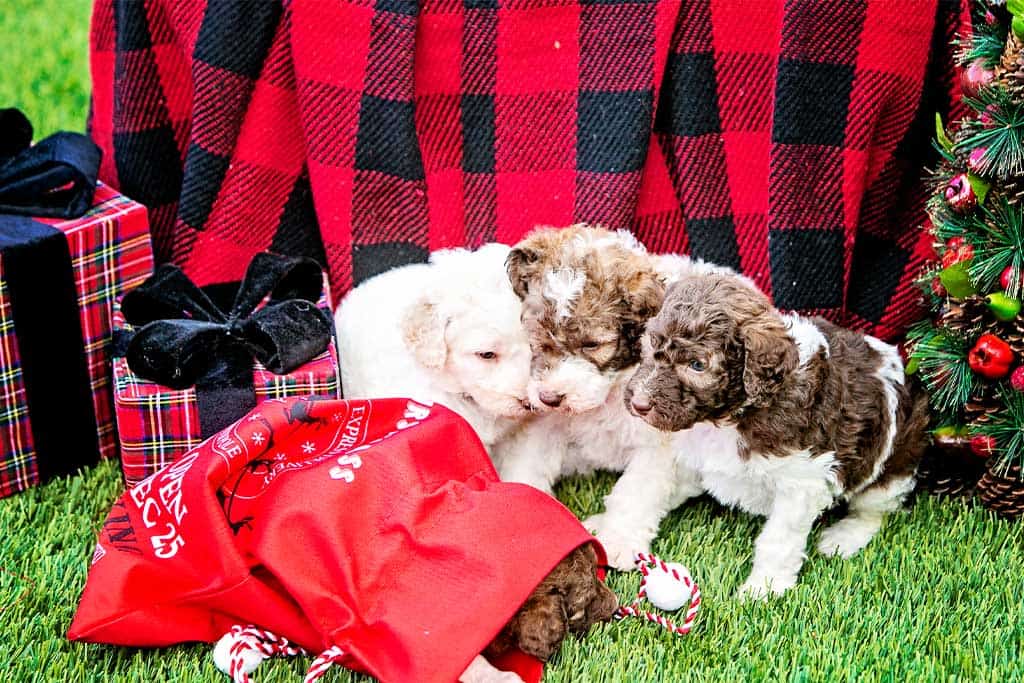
(970, 356)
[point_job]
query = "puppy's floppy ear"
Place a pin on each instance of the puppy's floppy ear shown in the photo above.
(423, 328)
(645, 293)
(522, 264)
(770, 355)
(540, 625)
(529, 257)
(599, 603)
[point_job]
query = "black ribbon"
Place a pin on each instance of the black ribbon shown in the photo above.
(56, 177)
(185, 338)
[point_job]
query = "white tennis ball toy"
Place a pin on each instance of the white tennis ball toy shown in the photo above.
(666, 587)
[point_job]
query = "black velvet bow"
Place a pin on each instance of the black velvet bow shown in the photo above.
(185, 338)
(56, 177)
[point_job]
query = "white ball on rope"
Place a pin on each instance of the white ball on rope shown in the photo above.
(664, 590)
(251, 658)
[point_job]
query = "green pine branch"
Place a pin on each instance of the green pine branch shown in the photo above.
(985, 43)
(998, 240)
(948, 223)
(924, 283)
(941, 360)
(1001, 137)
(1007, 427)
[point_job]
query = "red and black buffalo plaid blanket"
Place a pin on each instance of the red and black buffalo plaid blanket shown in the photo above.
(787, 138)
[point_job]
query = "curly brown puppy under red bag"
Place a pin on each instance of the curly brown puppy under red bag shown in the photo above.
(569, 600)
(793, 415)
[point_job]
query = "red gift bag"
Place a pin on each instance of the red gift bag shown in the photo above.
(378, 527)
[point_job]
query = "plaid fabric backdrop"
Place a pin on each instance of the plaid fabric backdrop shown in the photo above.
(784, 137)
(110, 253)
(156, 424)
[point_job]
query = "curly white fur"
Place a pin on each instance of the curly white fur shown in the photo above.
(425, 331)
(605, 437)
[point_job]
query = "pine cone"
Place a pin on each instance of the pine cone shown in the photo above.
(982, 404)
(1003, 491)
(1012, 189)
(949, 468)
(1015, 339)
(1010, 70)
(964, 316)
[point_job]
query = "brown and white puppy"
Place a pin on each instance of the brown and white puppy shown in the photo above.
(569, 600)
(789, 415)
(587, 294)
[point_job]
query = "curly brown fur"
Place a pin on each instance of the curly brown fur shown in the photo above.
(570, 599)
(793, 413)
(587, 294)
(835, 402)
(620, 292)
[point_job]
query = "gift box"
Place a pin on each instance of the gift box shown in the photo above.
(188, 361)
(68, 248)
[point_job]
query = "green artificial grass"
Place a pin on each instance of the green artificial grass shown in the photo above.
(936, 596)
(44, 62)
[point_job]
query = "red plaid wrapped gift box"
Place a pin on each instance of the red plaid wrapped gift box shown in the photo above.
(157, 425)
(110, 253)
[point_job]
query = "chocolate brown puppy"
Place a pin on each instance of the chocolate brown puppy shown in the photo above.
(569, 600)
(792, 414)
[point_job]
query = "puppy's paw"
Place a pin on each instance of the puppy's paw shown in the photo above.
(482, 671)
(846, 537)
(620, 547)
(764, 587)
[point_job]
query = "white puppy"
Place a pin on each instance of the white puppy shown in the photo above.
(447, 331)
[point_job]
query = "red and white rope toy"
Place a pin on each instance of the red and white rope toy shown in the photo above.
(668, 586)
(241, 650)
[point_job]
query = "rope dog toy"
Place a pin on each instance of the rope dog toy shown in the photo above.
(242, 649)
(668, 586)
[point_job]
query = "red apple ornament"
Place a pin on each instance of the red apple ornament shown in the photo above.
(959, 194)
(975, 77)
(983, 445)
(1017, 379)
(957, 250)
(991, 357)
(1009, 277)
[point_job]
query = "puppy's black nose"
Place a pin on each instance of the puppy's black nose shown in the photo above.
(550, 398)
(641, 405)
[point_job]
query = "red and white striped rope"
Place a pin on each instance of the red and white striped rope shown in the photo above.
(320, 665)
(644, 562)
(251, 638)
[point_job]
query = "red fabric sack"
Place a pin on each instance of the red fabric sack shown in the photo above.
(376, 526)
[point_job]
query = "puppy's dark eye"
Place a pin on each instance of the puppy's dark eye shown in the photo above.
(486, 355)
(697, 366)
(590, 345)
